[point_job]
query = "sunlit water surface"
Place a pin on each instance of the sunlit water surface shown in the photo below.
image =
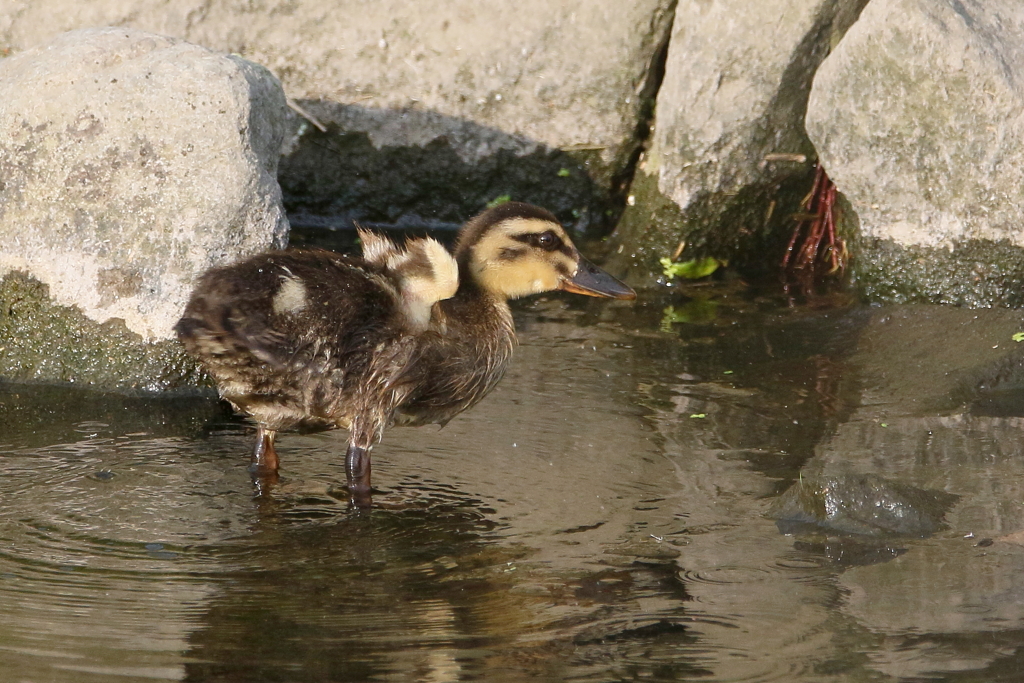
(602, 516)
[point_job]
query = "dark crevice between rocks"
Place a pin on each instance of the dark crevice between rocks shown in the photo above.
(787, 187)
(750, 227)
(622, 181)
(790, 104)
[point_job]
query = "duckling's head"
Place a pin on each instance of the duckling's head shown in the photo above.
(517, 249)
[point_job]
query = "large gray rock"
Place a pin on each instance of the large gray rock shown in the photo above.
(732, 101)
(557, 86)
(129, 164)
(917, 118)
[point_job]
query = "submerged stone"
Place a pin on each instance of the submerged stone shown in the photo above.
(863, 504)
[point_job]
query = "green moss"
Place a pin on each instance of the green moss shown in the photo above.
(41, 341)
(976, 273)
(648, 231)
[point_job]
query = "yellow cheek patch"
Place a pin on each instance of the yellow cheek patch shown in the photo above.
(506, 262)
(513, 279)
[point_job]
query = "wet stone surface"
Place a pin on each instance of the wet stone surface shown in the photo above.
(606, 514)
(867, 505)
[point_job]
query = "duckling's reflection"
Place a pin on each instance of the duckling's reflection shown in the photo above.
(377, 595)
(420, 592)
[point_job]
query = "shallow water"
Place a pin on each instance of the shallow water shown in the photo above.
(603, 516)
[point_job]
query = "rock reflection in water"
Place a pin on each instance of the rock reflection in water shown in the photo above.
(920, 370)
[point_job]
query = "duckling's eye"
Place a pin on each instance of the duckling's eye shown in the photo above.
(547, 240)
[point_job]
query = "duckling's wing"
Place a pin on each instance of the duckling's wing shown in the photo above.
(426, 274)
(377, 248)
(426, 269)
(227, 322)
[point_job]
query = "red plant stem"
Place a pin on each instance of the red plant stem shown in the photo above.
(831, 225)
(813, 242)
(819, 174)
(818, 228)
(789, 247)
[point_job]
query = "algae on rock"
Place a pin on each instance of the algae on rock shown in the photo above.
(916, 116)
(42, 341)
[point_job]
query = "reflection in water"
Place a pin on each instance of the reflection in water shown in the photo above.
(604, 515)
(359, 598)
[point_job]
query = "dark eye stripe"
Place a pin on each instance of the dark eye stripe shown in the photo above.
(547, 240)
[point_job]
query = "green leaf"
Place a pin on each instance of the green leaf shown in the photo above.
(693, 269)
(564, 173)
(1018, 337)
(498, 201)
(699, 416)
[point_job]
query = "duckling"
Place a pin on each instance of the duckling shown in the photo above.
(410, 336)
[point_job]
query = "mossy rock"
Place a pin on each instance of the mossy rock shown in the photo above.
(975, 273)
(41, 341)
(747, 229)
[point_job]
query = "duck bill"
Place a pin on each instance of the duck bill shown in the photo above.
(592, 281)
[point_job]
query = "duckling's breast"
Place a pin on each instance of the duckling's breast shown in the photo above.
(458, 368)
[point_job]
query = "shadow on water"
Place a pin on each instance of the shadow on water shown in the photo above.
(606, 514)
(40, 414)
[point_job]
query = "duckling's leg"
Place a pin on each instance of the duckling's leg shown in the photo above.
(264, 457)
(357, 467)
